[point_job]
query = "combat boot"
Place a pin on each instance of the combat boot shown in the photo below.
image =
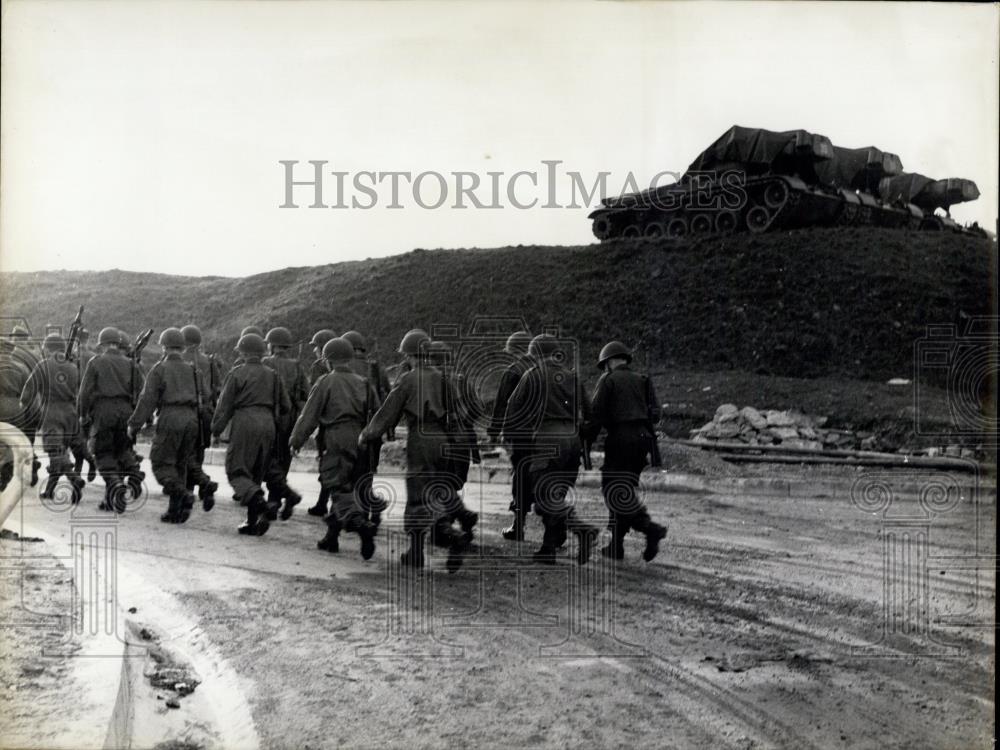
(467, 519)
(292, 498)
(273, 504)
(118, 494)
(319, 509)
(367, 530)
(546, 555)
(48, 492)
(330, 542)
(35, 466)
(78, 486)
(654, 535)
(173, 514)
(615, 549)
(135, 484)
(206, 492)
(414, 556)
(91, 469)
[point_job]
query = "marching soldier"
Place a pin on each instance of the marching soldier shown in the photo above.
(53, 385)
(418, 395)
(551, 394)
(254, 400)
(13, 376)
(625, 405)
(256, 331)
(317, 370)
(210, 378)
(105, 404)
(369, 369)
(293, 377)
(30, 416)
(464, 449)
(517, 445)
(172, 391)
(340, 404)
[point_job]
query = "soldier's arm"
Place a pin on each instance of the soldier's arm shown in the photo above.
(149, 399)
(284, 402)
(29, 391)
(519, 409)
(308, 420)
(599, 407)
(85, 398)
(508, 382)
(224, 409)
(302, 384)
(389, 413)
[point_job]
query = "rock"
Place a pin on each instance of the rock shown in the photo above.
(811, 445)
(783, 433)
(953, 451)
(808, 433)
(932, 452)
(173, 703)
(779, 419)
(968, 453)
(897, 381)
(726, 413)
(820, 421)
(722, 431)
(868, 444)
(753, 418)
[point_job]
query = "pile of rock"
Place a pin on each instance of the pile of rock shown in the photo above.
(790, 429)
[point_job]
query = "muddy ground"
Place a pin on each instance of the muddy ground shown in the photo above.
(766, 621)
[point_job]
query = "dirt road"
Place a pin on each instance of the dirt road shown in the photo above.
(767, 621)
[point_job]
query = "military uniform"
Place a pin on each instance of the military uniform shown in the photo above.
(172, 392)
(296, 387)
(53, 385)
(105, 404)
(253, 399)
(517, 445)
(210, 381)
(551, 394)
(625, 405)
(374, 374)
(30, 414)
(340, 404)
(419, 397)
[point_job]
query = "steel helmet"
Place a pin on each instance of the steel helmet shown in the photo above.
(543, 345)
(123, 340)
(19, 332)
(192, 335)
(109, 335)
(54, 343)
(279, 336)
(321, 337)
(172, 338)
(614, 349)
(252, 329)
(251, 345)
(412, 342)
(517, 342)
(338, 350)
(438, 352)
(356, 339)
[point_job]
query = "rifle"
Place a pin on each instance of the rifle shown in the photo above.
(74, 336)
(374, 372)
(135, 355)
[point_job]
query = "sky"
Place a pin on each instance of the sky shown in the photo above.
(149, 136)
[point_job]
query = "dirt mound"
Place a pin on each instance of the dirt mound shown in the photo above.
(830, 302)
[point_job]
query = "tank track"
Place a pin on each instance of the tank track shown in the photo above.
(770, 203)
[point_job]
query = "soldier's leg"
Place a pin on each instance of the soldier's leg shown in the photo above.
(416, 522)
(319, 509)
(30, 431)
(520, 503)
(78, 445)
(102, 446)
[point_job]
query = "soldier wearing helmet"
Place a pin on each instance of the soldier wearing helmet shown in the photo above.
(105, 405)
(419, 396)
(52, 388)
(368, 367)
(517, 349)
(318, 369)
(172, 391)
(625, 405)
(210, 380)
(254, 400)
(340, 405)
(464, 450)
(549, 409)
(293, 377)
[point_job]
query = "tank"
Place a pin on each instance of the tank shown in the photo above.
(754, 180)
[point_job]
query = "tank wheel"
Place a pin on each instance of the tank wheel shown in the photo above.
(776, 194)
(758, 219)
(604, 228)
(726, 222)
(701, 224)
(631, 232)
(677, 228)
(654, 230)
